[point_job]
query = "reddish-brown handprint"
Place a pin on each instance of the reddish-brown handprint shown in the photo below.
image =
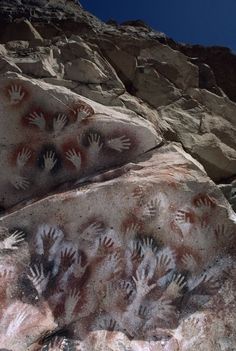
(204, 200)
(48, 240)
(37, 119)
(185, 216)
(80, 112)
(73, 154)
(67, 258)
(106, 245)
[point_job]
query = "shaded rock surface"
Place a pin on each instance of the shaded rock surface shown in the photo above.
(113, 232)
(151, 256)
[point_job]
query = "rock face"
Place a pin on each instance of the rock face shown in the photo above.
(113, 232)
(136, 252)
(51, 136)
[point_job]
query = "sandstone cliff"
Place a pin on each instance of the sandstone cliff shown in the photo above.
(118, 185)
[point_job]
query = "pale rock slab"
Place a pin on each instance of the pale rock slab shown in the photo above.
(84, 71)
(50, 135)
(85, 64)
(218, 158)
(74, 48)
(38, 65)
(153, 88)
(205, 127)
(123, 62)
(219, 105)
(187, 73)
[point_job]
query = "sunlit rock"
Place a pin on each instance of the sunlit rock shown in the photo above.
(112, 237)
(50, 135)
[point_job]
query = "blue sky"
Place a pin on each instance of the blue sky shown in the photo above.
(206, 22)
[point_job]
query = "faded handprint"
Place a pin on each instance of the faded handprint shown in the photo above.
(16, 94)
(148, 246)
(190, 324)
(126, 287)
(131, 231)
(107, 324)
(38, 278)
(6, 273)
(83, 111)
(37, 119)
(190, 332)
(49, 237)
(150, 209)
(165, 262)
(175, 287)
(114, 261)
(95, 144)
(70, 305)
(78, 268)
(49, 160)
(59, 123)
(163, 309)
(74, 157)
(92, 231)
(135, 249)
(19, 182)
(67, 258)
(220, 232)
(110, 268)
(23, 157)
(13, 240)
(107, 295)
(119, 144)
(105, 243)
(207, 284)
(148, 265)
(204, 200)
(144, 312)
(17, 321)
(141, 282)
(182, 217)
(189, 262)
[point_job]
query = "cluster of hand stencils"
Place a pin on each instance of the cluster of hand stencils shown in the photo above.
(67, 273)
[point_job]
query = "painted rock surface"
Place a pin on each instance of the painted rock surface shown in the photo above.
(123, 262)
(50, 135)
(112, 236)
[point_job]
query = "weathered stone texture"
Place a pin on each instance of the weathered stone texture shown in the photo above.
(117, 184)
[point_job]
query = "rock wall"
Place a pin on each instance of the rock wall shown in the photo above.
(118, 159)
